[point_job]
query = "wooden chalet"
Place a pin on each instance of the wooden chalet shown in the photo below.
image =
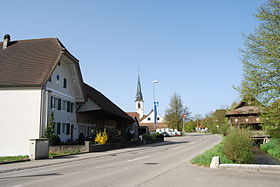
(245, 115)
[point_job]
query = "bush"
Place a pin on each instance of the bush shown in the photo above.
(272, 148)
(54, 140)
(238, 146)
(101, 137)
(205, 158)
(148, 136)
(81, 139)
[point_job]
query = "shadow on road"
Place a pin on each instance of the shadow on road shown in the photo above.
(27, 176)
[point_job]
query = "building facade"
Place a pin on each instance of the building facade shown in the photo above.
(39, 77)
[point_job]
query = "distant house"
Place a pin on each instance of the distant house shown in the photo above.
(38, 77)
(149, 119)
(245, 115)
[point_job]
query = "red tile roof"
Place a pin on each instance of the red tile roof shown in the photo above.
(133, 114)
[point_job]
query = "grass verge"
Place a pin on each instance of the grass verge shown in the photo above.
(272, 148)
(205, 158)
(13, 158)
(54, 154)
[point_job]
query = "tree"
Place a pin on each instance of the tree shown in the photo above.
(173, 114)
(261, 63)
(49, 130)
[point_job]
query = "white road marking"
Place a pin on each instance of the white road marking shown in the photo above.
(175, 148)
(138, 158)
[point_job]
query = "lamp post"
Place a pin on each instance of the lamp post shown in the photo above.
(155, 104)
(184, 116)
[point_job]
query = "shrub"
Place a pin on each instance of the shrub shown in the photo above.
(101, 137)
(148, 136)
(81, 139)
(54, 140)
(238, 146)
(272, 148)
(205, 158)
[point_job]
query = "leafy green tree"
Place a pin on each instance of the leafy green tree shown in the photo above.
(173, 114)
(261, 63)
(270, 120)
(190, 126)
(49, 130)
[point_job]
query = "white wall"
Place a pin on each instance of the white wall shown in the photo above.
(140, 110)
(56, 89)
(19, 120)
(151, 117)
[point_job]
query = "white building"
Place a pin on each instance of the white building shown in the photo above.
(38, 77)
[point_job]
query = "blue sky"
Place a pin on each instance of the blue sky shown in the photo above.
(191, 47)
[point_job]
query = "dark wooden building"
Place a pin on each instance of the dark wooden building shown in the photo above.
(245, 115)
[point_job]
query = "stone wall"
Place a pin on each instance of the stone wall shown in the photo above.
(68, 148)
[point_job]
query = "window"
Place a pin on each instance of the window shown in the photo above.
(55, 103)
(50, 79)
(63, 128)
(68, 106)
(139, 105)
(157, 118)
(59, 104)
(51, 102)
(64, 83)
(149, 119)
(57, 77)
(68, 129)
(71, 108)
(58, 128)
(64, 105)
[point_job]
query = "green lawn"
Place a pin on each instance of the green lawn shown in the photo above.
(272, 148)
(205, 158)
(13, 158)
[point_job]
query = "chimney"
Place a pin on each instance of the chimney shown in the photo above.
(6, 41)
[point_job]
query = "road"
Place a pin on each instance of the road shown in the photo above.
(163, 164)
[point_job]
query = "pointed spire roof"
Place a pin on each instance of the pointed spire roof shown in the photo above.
(139, 96)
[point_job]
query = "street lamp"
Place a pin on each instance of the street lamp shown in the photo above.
(184, 116)
(155, 104)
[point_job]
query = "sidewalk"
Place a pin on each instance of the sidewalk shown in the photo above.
(4, 168)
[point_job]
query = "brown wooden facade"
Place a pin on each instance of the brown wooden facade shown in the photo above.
(245, 115)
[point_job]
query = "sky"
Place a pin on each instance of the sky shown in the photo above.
(191, 47)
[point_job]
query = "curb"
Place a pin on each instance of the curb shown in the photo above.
(215, 164)
(16, 161)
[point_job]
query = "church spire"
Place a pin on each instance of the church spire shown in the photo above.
(139, 96)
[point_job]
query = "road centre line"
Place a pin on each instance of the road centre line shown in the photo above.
(138, 158)
(175, 148)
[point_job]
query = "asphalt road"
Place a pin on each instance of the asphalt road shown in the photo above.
(163, 164)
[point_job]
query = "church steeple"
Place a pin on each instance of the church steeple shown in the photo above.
(139, 102)
(139, 96)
